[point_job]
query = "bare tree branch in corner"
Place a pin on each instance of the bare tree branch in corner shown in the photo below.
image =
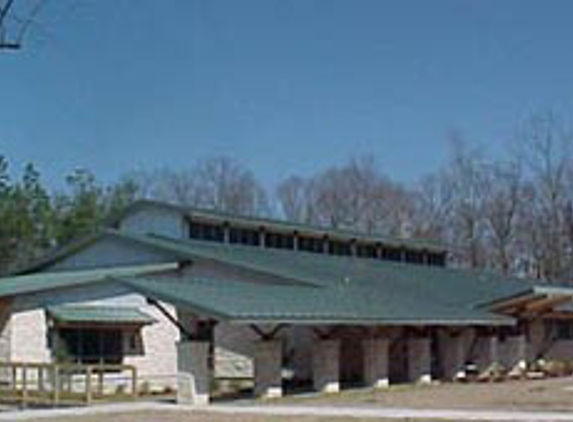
(15, 24)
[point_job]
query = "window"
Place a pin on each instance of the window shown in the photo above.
(279, 240)
(206, 231)
(560, 329)
(366, 251)
(509, 331)
(89, 345)
(311, 244)
(414, 257)
(339, 248)
(565, 330)
(244, 236)
(391, 254)
(437, 259)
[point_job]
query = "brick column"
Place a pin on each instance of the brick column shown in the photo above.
(488, 352)
(453, 357)
(419, 359)
(516, 352)
(268, 366)
(536, 334)
(326, 365)
(376, 362)
(194, 375)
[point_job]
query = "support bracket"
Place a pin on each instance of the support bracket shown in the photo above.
(267, 335)
(184, 332)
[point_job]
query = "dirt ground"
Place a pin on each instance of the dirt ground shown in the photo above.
(549, 394)
(203, 417)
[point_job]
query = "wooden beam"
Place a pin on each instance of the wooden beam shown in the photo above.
(267, 335)
(324, 334)
(558, 315)
(547, 303)
(507, 305)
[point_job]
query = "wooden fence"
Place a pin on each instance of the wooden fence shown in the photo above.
(65, 384)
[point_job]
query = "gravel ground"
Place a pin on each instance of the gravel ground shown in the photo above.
(524, 396)
(554, 394)
(202, 417)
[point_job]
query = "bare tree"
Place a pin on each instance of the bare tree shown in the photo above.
(175, 186)
(217, 183)
(466, 181)
(432, 201)
(502, 199)
(355, 195)
(225, 185)
(294, 199)
(547, 148)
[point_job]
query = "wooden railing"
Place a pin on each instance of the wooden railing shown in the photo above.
(27, 383)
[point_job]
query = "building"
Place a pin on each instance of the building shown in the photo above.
(173, 290)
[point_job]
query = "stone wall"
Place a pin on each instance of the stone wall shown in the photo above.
(29, 337)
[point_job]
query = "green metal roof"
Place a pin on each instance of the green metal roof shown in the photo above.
(99, 314)
(73, 247)
(454, 287)
(350, 303)
(320, 287)
(34, 283)
(307, 288)
(287, 226)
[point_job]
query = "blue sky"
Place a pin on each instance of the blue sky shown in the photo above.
(285, 87)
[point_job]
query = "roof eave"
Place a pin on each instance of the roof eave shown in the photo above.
(369, 322)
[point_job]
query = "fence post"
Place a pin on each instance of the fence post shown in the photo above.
(41, 378)
(100, 376)
(89, 384)
(134, 381)
(24, 384)
(56, 385)
(15, 378)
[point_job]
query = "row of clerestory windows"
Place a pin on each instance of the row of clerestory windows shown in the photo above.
(250, 237)
(279, 240)
(201, 230)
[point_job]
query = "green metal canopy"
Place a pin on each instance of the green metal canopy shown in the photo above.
(99, 314)
(38, 282)
(450, 287)
(351, 303)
